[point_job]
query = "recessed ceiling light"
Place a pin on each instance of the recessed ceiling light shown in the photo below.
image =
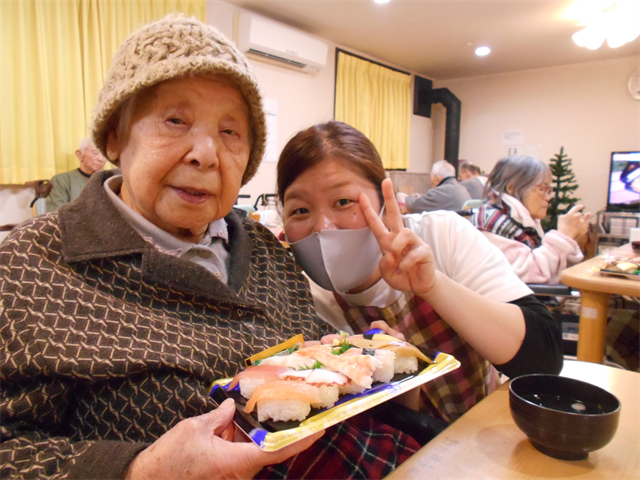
(482, 51)
(381, 1)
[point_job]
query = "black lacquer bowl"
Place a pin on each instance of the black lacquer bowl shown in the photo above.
(563, 418)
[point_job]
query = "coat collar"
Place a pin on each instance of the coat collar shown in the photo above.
(520, 214)
(448, 181)
(92, 228)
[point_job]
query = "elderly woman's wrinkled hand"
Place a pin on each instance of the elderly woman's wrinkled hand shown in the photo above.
(206, 447)
(407, 262)
(574, 224)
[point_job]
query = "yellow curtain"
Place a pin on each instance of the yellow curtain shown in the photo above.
(377, 101)
(55, 55)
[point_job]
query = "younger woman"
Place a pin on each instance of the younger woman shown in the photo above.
(431, 276)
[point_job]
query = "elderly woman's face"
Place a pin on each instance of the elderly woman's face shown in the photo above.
(184, 153)
(537, 200)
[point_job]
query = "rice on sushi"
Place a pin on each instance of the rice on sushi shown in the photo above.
(329, 395)
(385, 372)
(351, 388)
(283, 410)
(405, 364)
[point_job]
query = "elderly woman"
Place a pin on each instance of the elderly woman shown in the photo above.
(119, 310)
(518, 192)
(430, 276)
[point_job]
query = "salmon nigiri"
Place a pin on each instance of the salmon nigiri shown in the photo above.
(283, 401)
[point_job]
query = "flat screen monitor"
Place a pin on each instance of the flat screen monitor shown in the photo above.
(624, 182)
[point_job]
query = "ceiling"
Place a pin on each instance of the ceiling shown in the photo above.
(437, 39)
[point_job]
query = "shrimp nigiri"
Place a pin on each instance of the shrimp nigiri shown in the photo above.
(358, 368)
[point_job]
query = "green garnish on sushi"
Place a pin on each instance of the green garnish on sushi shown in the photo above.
(315, 365)
(341, 347)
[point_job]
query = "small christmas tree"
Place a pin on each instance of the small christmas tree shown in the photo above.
(564, 185)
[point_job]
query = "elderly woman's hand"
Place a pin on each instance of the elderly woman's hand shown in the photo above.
(203, 447)
(574, 224)
(407, 262)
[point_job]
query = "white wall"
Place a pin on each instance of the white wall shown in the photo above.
(14, 206)
(585, 107)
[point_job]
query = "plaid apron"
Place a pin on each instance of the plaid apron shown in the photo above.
(359, 448)
(452, 394)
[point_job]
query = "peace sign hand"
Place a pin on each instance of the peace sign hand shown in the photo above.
(407, 262)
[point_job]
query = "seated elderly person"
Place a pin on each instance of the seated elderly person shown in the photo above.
(445, 193)
(519, 188)
(120, 309)
(68, 185)
(471, 179)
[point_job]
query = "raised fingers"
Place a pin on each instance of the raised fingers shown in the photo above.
(405, 240)
(375, 223)
(392, 216)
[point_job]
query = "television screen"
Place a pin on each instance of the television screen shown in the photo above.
(624, 182)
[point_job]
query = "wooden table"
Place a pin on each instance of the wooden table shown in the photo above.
(595, 291)
(486, 443)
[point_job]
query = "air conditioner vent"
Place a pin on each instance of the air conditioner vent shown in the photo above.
(274, 42)
(268, 56)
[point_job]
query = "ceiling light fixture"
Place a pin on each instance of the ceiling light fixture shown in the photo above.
(381, 1)
(616, 22)
(483, 51)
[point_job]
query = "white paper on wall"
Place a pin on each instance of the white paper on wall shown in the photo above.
(271, 112)
(513, 137)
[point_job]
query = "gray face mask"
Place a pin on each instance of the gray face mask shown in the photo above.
(338, 260)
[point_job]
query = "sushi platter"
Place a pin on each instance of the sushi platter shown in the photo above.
(291, 391)
(620, 266)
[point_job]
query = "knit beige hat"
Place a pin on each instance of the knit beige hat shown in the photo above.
(173, 47)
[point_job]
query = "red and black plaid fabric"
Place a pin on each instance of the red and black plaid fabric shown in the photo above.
(358, 448)
(451, 395)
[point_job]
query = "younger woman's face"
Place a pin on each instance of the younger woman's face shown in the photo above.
(325, 197)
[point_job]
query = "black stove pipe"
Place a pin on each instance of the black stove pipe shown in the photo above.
(425, 96)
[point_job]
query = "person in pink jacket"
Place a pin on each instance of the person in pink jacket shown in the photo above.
(516, 199)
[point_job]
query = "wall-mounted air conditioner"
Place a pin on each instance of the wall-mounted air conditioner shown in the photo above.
(273, 42)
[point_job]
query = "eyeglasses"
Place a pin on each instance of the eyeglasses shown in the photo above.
(544, 189)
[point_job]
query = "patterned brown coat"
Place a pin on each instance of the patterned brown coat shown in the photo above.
(107, 343)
